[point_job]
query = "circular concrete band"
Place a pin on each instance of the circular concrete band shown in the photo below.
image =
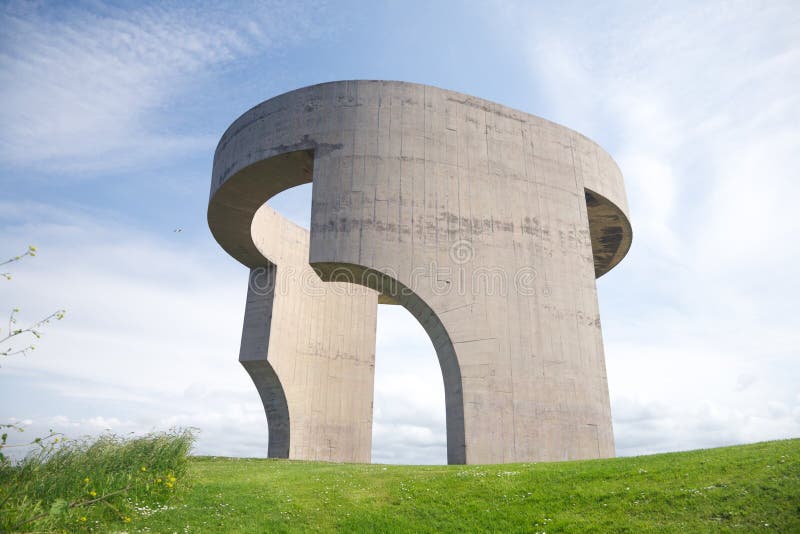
(488, 224)
(257, 158)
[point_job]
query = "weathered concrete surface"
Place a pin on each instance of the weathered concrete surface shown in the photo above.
(488, 224)
(309, 347)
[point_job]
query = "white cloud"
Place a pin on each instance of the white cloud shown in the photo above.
(149, 322)
(139, 309)
(409, 410)
(85, 87)
(647, 428)
(151, 339)
(699, 105)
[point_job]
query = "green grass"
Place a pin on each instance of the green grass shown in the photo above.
(92, 485)
(743, 489)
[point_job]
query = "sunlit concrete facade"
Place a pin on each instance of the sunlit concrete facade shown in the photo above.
(488, 224)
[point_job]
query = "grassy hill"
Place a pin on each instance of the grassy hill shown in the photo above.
(744, 488)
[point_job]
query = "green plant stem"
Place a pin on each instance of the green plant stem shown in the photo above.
(76, 504)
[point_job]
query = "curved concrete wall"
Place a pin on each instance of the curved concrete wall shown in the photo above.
(488, 224)
(309, 347)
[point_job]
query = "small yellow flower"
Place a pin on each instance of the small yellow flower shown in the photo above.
(158, 481)
(172, 478)
(93, 493)
(127, 519)
(144, 468)
(169, 484)
(86, 480)
(83, 519)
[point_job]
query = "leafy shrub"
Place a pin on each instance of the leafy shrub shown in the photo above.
(79, 485)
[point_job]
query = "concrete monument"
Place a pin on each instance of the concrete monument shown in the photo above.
(488, 224)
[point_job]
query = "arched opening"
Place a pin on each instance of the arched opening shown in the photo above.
(409, 421)
(408, 425)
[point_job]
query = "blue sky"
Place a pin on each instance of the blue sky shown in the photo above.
(110, 114)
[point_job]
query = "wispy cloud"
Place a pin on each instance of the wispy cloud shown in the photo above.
(151, 341)
(149, 320)
(157, 313)
(91, 86)
(228, 421)
(699, 105)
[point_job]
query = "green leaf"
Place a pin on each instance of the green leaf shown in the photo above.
(59, 507)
